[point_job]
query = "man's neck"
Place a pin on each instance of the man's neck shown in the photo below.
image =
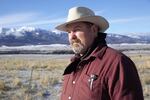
(100, 39)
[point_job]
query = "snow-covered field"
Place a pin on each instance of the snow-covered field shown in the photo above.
(37, 47)
(63, 47)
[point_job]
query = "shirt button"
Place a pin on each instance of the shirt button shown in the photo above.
(73, 82)
(79, 67)
(69, 97)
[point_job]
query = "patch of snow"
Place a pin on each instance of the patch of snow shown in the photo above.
(28, 29)
(57, 32)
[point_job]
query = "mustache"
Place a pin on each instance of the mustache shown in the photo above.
(75, 41)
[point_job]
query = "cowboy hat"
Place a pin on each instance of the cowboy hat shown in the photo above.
(79, 14)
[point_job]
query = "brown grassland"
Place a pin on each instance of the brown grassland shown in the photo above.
(39, 77)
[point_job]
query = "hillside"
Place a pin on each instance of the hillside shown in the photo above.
(35, 36)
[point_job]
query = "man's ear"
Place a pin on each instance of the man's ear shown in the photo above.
(94, 29)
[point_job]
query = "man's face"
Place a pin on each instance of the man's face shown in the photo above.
(81, 36)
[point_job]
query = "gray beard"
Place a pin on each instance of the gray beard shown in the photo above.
(78, 49)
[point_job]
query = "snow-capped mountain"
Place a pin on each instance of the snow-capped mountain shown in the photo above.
(36, 36)
(30, 36)
(142, 36)
(117, 38)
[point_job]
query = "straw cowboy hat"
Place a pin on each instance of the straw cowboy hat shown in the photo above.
(79, 14)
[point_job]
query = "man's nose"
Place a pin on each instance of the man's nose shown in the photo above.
(73, 35)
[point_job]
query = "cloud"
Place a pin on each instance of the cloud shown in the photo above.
(16, 18)
(36, 23)
(27, 19)
(126, 20)
(35, 19)
(51, 21)
(99, 12)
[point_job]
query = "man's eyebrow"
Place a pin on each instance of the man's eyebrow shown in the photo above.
(75, 26)
(78, 26)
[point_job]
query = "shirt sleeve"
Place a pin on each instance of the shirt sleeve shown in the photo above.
(123, 80)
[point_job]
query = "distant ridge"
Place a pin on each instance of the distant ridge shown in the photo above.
(36, 36)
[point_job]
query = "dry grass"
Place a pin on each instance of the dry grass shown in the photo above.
(16, 72)
(142, 61)
(143, 65)
(17, 63)
(2, 85)
(16, 82)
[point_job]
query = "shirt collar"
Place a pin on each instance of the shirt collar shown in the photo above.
(98, 52)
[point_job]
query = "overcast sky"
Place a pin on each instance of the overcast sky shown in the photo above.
(123, 15)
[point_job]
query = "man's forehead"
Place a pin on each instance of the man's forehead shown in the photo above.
(75, 24)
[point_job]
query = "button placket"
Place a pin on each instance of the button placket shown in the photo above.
(73, 82)
(69, 98)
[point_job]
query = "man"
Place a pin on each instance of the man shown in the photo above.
(96, 72)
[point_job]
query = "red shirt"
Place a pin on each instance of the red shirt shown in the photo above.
(116, 77)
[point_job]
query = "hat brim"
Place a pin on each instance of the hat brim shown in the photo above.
(101, 22)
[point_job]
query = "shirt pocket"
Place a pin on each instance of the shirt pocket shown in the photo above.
(86, 92)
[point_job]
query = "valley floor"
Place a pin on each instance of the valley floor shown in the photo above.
(39, 77)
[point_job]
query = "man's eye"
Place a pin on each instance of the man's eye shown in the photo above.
(76, 30)
(68, 31)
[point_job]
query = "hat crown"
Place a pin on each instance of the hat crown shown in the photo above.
(79, 12)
